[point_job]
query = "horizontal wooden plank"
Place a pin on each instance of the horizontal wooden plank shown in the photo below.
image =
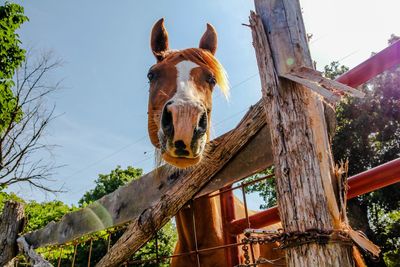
(129, 201)
(316, 76)
(317, 88)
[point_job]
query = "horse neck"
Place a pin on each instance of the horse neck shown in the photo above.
(207, 216)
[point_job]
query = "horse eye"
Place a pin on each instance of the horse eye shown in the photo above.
(211, 80)
(150, 76)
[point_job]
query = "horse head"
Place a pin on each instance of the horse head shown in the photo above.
(180, 98)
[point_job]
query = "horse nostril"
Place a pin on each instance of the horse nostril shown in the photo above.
(166, 121)
(180, 148)
(179, 144)
(202, 126)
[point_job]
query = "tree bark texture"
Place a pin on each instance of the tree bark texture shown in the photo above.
(12, 222)
(34, 258)
(302, 156)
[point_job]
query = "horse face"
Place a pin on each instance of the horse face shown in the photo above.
(181, 85)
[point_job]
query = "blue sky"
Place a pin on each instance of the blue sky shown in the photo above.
(106, 54)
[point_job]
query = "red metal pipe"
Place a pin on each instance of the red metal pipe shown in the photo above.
(362, 183)
(374, 179)
(258, 220)
(373, 66)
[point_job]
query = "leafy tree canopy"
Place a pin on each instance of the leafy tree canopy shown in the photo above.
(107, 183)
(11, 56)
(368, 134)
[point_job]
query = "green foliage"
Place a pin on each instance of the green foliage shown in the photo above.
(4, 197)
(265, 188)
(107, 183)
(11, 57)
(334, 70)
(386, 227)
(40, 214)
(368, 134)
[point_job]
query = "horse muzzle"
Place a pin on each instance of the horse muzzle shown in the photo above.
(183, 133)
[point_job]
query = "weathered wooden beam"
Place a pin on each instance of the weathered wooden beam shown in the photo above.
(316, 76)
(302, 157)
(34, 258)
(12, 222)
(183, 189)
(329, 96)
(129, 201)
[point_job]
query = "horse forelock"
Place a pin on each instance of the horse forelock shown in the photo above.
(202, 57)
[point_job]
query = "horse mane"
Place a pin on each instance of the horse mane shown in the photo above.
(202, 56)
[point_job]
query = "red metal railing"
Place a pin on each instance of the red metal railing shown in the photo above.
(373, 66)
(359, 184)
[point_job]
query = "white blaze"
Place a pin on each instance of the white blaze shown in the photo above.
(185, 89)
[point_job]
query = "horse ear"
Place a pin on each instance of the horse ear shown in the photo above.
(209, 39)
(159, 40)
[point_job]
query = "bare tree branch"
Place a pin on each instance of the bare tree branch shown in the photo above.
(20, 142)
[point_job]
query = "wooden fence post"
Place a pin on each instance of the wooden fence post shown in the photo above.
(306, 186)
(12, 221)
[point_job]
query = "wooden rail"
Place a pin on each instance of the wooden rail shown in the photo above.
(128, 202)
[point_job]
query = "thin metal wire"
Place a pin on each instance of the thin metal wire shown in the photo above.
(73, 259)
(194, 231)
(90, 251)
(109, 242)
(199, 251)
(189, 253)
(59, 258)
(52, 254)
(157, 256)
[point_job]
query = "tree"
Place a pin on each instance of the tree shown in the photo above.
(12, 55)
(265, 189)
(368, 134)
(21, 145)
(108, 183)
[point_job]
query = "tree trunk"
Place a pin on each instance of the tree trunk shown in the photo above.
(12, 222)
(306, 187)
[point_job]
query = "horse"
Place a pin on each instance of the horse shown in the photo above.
(179, 116)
